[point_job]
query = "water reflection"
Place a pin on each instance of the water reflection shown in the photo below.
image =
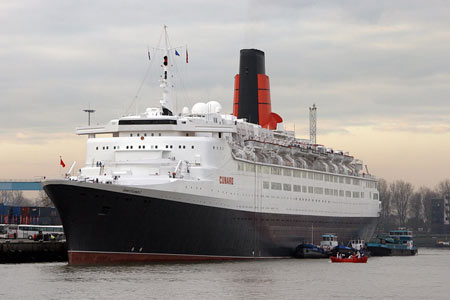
(419, 277)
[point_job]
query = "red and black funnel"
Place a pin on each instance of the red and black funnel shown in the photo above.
(252, 91)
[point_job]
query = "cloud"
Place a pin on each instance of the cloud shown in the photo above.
(381, 65)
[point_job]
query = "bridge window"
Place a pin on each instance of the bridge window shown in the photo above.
(276, 171)
(96, 148)
(275, 186)
(318, 190)
(287, 187)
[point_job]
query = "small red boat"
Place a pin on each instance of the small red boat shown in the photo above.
(355, 259)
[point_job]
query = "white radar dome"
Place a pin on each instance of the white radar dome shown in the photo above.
(214, 107)
(199, 109)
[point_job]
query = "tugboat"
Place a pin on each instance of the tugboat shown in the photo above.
(310, 251)
(396, 243)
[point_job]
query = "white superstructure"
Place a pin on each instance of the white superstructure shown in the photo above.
(205, 153)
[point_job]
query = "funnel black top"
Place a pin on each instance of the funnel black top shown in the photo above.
(251, 63)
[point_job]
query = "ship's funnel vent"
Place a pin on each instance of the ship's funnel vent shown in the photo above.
(252, 91)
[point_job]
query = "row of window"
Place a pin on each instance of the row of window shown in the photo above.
(143, 147)
(159, 134)
(304, 174)
(313, 190)
(145, 134)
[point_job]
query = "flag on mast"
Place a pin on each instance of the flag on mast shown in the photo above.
(176, 53)
(187, 56)
(61, 162)
(148, 51)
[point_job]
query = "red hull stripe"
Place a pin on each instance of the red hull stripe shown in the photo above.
(97, 257)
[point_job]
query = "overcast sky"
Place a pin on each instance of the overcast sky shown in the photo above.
(378, 71)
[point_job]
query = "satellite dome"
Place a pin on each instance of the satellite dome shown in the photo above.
(214, 107)
(199, 109)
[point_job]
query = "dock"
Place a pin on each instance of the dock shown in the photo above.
(25, 251)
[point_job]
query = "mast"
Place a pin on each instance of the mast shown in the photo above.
(166, 85)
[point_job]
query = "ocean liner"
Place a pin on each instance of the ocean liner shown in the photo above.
(202, 185)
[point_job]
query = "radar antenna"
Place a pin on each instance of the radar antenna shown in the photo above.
(89, 111)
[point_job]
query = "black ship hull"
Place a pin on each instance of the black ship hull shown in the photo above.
(104, 226)
(383, 251)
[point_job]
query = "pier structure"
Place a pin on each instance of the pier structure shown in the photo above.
(20, 185)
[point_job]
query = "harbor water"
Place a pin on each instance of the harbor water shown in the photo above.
(424, 276)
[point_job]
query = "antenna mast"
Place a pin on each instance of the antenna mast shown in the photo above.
(312, 123)
(89, 112)
(166, 85)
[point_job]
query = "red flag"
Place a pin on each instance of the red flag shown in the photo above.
(62, 163)
(187, 57)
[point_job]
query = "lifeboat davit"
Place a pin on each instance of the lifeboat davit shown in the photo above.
(355, 259)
